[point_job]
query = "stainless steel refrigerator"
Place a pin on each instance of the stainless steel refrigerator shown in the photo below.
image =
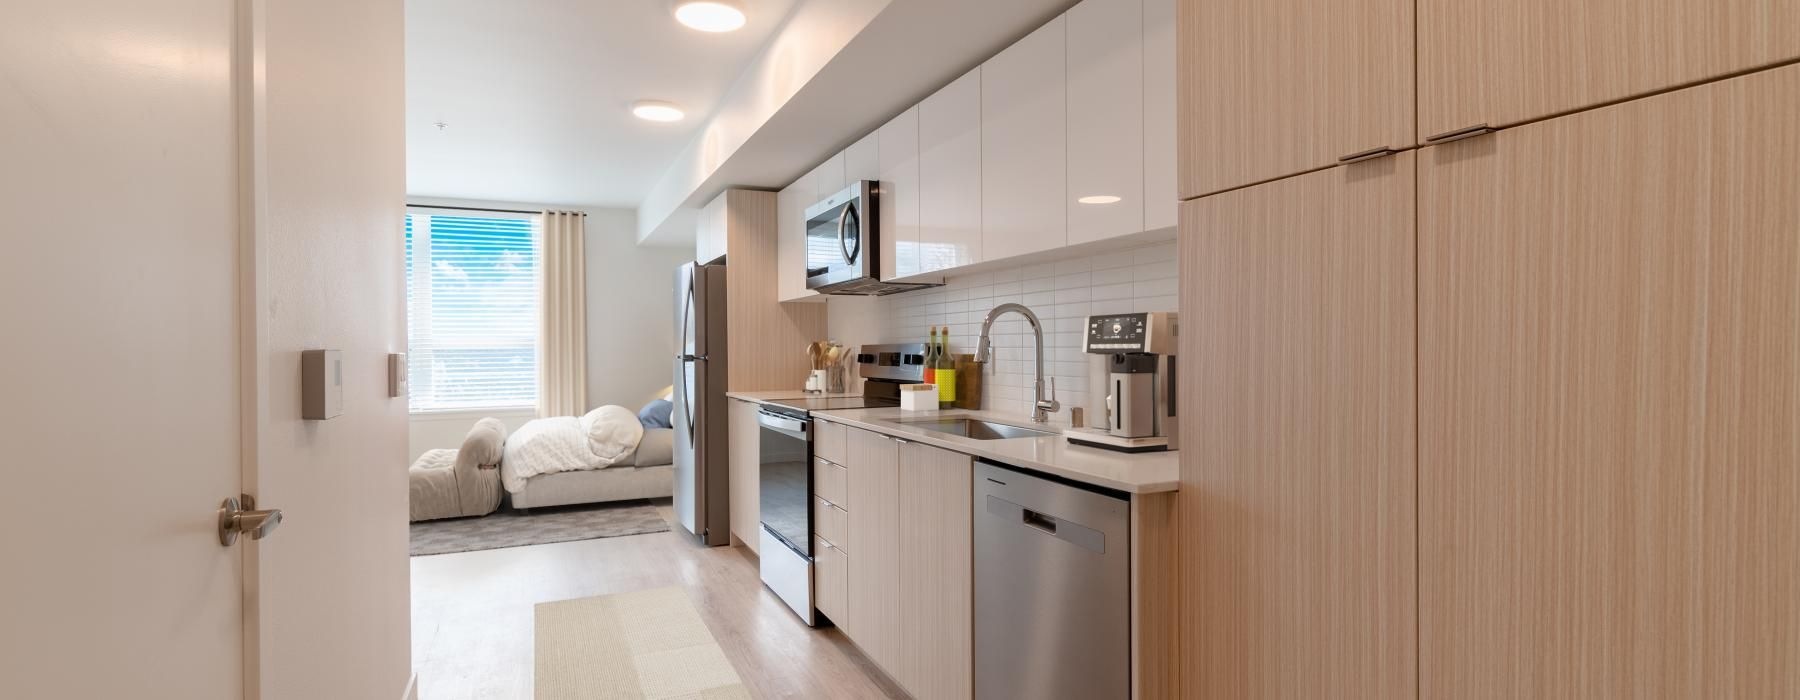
(702, 495)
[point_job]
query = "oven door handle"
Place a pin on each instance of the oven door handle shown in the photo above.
(785, 425)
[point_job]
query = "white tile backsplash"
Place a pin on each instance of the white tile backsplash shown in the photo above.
(1062, 293)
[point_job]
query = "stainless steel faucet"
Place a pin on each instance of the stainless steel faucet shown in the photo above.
(1042, 406)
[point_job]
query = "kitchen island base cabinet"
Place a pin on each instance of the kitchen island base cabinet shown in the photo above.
(1609, 401)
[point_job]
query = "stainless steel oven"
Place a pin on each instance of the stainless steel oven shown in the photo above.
(785, 488)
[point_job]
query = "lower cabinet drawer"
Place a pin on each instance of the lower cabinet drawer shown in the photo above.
(832, 483)
(831, 523)
(831, 578)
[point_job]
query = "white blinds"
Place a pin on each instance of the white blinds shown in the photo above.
(472, 311)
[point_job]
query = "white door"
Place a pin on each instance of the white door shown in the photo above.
(119, 366)
(131, 362)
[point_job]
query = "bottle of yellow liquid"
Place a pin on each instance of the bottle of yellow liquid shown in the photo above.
(946, 371)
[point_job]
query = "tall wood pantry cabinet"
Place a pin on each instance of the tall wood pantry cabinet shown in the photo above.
(1609, 401)
(1271, 88)
(1297, 472)
(1483, 62)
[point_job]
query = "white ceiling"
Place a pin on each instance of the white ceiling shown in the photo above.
(536, 94)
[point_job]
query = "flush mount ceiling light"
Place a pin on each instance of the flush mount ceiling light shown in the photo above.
(1098, 199)
(710, 15)
(657, 111)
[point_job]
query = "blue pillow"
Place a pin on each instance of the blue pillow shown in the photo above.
(656, 414)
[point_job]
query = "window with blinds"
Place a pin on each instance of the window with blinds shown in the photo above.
(472, 312)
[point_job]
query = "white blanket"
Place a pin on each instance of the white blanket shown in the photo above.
(606, 436)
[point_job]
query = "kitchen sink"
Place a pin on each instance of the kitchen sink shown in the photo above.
(978, 429)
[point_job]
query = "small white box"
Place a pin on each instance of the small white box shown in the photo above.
(919, 397)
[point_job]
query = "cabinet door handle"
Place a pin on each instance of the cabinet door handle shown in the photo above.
(1370, 154)
(1460, 134)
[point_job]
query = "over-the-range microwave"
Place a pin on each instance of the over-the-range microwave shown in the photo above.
(843, 244)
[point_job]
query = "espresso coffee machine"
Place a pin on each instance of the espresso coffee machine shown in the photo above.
(1140, 382)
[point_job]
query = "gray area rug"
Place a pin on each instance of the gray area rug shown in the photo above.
(509, 528)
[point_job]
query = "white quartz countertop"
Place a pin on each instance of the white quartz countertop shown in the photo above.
(1149, 472)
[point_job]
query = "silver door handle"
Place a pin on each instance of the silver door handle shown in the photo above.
(240, 517)
(843, 246)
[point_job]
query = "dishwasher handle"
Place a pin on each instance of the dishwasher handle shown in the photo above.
(1066, 530)
(1032, 518)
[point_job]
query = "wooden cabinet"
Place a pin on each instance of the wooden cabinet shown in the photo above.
(873, 618)
(950, 175)
(744, 458)
(1297, 463)
(1161, 198)
(831, 580)
(790, 207)
(1609, 400)
(831, 442)
(1024, 132)
(1105, 108)
(936, 548)
(1271, 88)
(899, 176)
(762, 332)
(1502, 63)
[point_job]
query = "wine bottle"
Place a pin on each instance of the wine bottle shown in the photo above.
(946, 371)
(931, 357)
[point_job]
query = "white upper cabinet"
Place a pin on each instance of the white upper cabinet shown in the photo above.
(830, 176)
(1161, 198)
(1024, 144)
(790, 241)
(1106, 120)
(899, 176)
(862, 160)
(710, 231)
(950, 182)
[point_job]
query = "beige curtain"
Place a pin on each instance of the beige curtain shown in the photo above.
(562, 330)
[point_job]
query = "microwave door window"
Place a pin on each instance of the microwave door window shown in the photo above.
(824, 246)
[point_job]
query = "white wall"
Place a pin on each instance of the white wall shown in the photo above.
(631, 311)
(631, 321)
(332, 584)
(1061, 293)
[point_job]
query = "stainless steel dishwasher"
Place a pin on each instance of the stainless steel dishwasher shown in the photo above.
(1052, 588)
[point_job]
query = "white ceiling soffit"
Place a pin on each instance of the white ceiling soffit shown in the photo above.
(803, 101)
(535, 95)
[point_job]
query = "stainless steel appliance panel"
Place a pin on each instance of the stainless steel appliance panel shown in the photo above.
(702, 498)
(785, 488)
(1052, 588)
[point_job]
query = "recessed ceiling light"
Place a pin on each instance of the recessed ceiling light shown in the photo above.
(1098, 199)
(710, 15)
(657, 111)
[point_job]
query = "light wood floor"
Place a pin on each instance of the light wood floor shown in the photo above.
(472, 616)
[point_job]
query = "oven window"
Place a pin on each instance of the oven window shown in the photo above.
(786, 489)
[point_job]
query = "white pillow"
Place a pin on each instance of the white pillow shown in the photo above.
(613, 432)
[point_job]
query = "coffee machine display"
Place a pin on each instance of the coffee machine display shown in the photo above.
(1140, 382)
